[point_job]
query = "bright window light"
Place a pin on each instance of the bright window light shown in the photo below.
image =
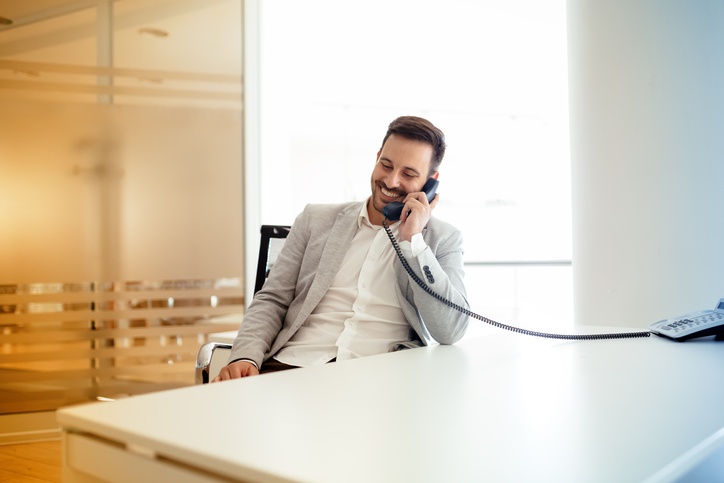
(492, 74)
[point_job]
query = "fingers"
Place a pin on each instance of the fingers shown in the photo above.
(415, 215)
(421, 197)
(236, 370)
(417, 203)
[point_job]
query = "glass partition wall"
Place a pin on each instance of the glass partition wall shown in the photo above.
(121, 243)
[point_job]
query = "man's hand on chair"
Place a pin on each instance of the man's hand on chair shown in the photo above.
(236, 370)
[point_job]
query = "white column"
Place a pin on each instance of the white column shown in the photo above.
(647, 152)
(252, 142)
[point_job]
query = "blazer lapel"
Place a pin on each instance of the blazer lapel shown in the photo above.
(338, 241)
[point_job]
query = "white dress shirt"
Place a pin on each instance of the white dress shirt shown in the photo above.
(360, 314)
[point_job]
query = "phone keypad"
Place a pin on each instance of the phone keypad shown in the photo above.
(693, 323)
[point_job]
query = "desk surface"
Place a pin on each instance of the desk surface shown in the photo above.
(496, 408)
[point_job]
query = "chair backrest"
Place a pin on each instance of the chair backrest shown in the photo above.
(213, 356)
(272, 240)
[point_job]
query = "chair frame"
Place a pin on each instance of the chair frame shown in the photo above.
(203, 360)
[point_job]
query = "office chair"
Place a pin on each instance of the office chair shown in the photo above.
(213, 356)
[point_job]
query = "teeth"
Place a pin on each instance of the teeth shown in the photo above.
(389, 194)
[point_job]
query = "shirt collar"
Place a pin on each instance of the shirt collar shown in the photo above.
(364, 218)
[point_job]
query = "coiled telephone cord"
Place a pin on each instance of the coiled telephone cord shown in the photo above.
(469, 313)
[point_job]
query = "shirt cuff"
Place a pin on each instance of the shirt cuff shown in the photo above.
(415, 247)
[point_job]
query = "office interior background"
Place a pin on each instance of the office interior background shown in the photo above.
(143, 142)
(127, 201)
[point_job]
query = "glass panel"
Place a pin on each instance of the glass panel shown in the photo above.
(121, 245)
(108, 192)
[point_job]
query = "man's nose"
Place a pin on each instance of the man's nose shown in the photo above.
(393, 179)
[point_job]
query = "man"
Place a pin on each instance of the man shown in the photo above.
(337, 290)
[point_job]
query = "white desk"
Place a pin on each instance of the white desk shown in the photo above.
(497, 408)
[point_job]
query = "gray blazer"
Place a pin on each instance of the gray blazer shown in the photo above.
(309, 261)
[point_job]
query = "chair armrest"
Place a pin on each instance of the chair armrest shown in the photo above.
(211, 358)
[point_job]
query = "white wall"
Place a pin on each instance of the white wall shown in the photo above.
(647, 118)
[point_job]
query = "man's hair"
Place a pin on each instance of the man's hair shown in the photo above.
(419, 129)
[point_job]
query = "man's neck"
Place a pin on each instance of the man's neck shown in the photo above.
(375, 217)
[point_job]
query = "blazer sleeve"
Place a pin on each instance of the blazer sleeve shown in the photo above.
(267, 312)
(440, 267)
(306, 265)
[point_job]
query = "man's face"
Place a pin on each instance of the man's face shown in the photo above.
(402, 167)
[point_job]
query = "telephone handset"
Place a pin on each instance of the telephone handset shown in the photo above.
(393, 211)
(693, 325)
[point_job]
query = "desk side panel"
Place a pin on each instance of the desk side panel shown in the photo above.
(89, 459)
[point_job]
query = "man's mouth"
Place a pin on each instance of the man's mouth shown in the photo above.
(391, 194)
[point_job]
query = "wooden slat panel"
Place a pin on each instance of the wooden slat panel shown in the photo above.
(45, 397)
(85, 296)
(85, 353)
(67, 343)
(70, 316)
(50, 376)
(89, 334)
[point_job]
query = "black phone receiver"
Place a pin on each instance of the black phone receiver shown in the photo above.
(393, 211)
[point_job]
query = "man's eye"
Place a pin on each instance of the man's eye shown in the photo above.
(410, 175)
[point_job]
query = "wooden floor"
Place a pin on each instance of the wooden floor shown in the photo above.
(30, 462)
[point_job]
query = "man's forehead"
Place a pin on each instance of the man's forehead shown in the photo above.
(410, 153)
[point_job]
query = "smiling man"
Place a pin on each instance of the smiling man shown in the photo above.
(337, 290)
